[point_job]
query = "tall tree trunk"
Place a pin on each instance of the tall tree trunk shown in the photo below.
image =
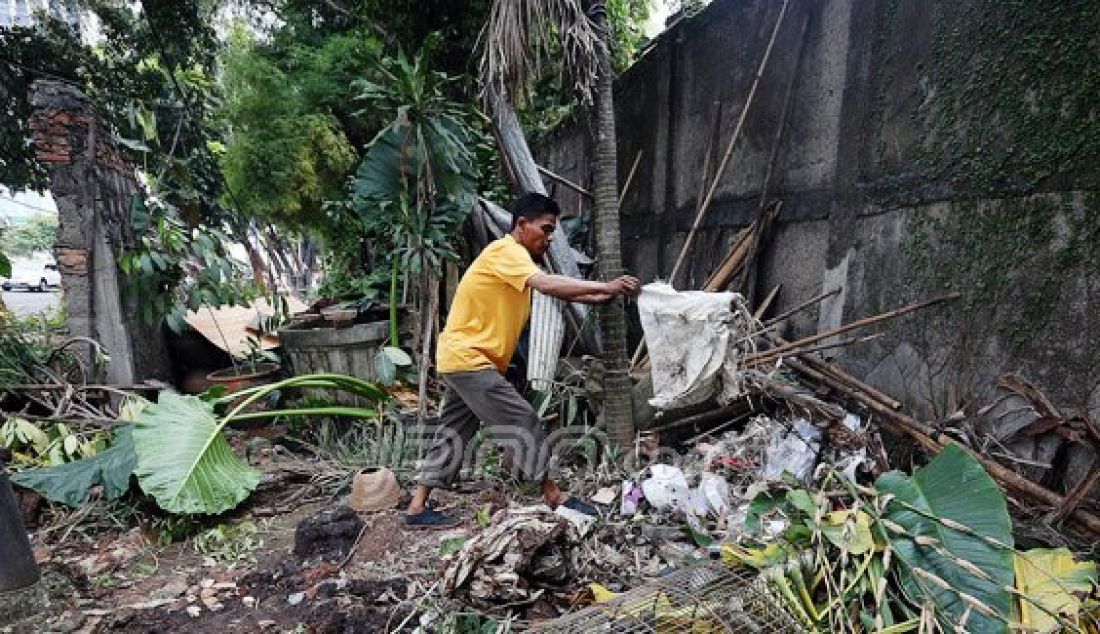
(617, 411)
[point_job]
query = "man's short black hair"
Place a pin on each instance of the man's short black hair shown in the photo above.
(532, 205)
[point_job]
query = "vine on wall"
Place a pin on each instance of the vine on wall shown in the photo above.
(1011, 259)
(1012, 96)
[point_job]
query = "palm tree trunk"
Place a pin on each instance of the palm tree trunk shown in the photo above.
(617, 411)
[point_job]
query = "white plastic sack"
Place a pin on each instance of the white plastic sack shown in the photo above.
(688, 335)
(667, 488)
(793, 451)
(716, 492)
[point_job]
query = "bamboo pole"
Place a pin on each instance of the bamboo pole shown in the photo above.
(861, 323)
(630, 176)
(565, 181)
(777, 142)
(766, 303)
(766, 356)
(932, 442)
(803, 306)
(732, 144)
(715, 125)
(1077, 493)
(841, 377)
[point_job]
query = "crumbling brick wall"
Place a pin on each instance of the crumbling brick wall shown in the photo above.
(93, 186)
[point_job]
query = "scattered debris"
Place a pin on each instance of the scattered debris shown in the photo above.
(792, 452)
(522, 549)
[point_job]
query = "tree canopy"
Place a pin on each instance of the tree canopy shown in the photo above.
(245, 116)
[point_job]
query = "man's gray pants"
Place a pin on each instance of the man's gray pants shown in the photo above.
(484, 396)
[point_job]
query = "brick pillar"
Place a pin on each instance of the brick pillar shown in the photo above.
(93, 186)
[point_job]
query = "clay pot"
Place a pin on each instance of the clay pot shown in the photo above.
(237, 379)
(374, 490)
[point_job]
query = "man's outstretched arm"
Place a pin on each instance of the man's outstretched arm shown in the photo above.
(585, 291)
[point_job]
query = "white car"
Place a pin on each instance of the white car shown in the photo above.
(35, 281)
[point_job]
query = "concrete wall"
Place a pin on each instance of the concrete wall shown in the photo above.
(932, 146)
(93, 187)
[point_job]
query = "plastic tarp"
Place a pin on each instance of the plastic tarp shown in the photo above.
(694, 341)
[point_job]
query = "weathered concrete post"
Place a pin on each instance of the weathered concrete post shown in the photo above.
(20, 593)
(94, 188)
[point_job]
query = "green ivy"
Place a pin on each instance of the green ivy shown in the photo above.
(1012, 89)
(1010, 258)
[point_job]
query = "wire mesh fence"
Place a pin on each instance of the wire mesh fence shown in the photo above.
(704, 599)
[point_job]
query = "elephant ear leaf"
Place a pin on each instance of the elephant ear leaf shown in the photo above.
(184, 460)
(69, 483)
(939, 561)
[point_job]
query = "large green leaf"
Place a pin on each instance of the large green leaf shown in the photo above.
(184, 461)
(5, 266)
(954, 487)
(1053, 584)
(69, 483)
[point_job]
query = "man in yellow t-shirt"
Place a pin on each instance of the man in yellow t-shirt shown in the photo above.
(490, 309)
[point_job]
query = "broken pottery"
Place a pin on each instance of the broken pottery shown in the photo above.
(374, 490)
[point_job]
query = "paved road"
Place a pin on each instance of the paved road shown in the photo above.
(24, 303)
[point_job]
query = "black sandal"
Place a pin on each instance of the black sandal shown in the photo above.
(429, 519)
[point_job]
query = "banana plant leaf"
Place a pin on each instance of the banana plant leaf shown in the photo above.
(953, 487)
(1052, 583)
(849, 530)
(185, 462)
(69, 483)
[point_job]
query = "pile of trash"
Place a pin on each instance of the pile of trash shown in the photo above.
(794, 506)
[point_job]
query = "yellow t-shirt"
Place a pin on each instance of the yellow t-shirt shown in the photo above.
(490, 308)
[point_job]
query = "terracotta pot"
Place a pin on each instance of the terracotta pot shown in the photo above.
(374, 490)
(237, 379)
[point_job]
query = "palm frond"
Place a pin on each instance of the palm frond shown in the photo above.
(521, 35)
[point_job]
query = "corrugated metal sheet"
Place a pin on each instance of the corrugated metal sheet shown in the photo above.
(546, 336)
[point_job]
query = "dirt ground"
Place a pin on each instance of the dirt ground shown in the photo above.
(122, 580)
